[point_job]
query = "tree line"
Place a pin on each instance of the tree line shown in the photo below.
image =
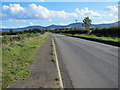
(12, 32)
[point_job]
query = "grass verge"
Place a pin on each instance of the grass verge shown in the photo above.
(17, 56)
(97, 38)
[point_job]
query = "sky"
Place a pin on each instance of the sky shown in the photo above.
(22, 14)
(61, 0)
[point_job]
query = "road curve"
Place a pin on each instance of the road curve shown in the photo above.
(89, 64)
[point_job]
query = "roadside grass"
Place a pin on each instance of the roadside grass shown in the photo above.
(17, 56)
(97, 38)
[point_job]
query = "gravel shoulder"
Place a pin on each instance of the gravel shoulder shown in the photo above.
(43, 71)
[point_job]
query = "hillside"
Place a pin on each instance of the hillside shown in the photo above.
(72, 25)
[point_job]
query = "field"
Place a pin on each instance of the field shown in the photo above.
(19, 54)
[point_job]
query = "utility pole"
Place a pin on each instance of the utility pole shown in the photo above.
(76, 20)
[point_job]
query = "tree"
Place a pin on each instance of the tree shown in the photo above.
(87, 22)
(11, 31)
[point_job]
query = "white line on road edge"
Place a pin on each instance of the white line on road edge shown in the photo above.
(57, 63)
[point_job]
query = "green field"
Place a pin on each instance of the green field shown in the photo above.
(16, 56)
(97, 38)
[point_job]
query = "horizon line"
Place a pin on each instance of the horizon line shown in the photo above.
(53, 24)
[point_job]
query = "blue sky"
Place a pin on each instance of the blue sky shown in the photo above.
(22, 14)
(61, 0)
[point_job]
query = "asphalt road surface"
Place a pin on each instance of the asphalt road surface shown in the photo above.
(89, 64)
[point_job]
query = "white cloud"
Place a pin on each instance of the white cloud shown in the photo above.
(62, 24)
(3, 27)
(105, 22)
(63, 14)
(113, 9)
(109, 15)
(18, 20)
(86, 12)
(13, 8)
(30, 23)
(21, 26)
(42, 1)
(33, 11)
(15, 12)
(37, 11)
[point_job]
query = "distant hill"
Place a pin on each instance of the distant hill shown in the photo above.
(107, 25)
(72, 25)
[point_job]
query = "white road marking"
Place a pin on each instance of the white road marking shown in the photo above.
(57, 63)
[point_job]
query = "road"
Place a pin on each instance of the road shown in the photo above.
(89, 64)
